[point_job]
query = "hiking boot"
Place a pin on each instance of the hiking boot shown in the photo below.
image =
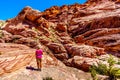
(39, 69)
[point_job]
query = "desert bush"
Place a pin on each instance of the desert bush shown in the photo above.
(108, 70)
(47, 78)
(1, 34)
(1, 23)
(118, 62)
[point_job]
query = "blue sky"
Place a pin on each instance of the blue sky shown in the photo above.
(10, 8)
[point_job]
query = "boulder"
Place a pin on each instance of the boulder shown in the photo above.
(5, 36)
(56, 48)
(84, 50)
(27, 41)
(61, 56)
(61, 27)
(14, 29)
(82, 63)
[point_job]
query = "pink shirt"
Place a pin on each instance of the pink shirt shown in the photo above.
(39, 53)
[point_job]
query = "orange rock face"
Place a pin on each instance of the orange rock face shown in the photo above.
(14, 56)
(84, 50)
(85, 30)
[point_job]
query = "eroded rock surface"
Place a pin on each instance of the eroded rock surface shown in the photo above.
(14, 56)
(74, 34)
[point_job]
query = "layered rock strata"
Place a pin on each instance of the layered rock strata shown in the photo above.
(85, 30)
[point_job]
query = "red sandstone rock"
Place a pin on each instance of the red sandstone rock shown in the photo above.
(27, 41)
(14, 29)
(56, 48)
(84, 50)
(5, 36)
(104, 37)
(94, 23)
(14, 56)
(61, 56)
(61, 27)
(82, 62)
(29, 33)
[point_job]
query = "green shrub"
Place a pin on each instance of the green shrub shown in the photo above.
(2, 23)
(110, 70)
(118, 62)
(47, 78)
(1, 34)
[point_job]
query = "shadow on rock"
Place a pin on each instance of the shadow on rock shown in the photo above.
(32, 68)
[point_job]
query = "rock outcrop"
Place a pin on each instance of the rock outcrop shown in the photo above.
(84, 50)
(17, 57)
(14, 56)
(74, 34)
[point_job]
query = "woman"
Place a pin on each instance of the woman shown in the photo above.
(39, 54)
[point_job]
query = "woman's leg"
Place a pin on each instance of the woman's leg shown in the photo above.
(40, 63)
(37, 60)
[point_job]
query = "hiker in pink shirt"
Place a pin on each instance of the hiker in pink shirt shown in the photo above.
(39, 54)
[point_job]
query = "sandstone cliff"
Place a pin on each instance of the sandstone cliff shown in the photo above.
(75, 34)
